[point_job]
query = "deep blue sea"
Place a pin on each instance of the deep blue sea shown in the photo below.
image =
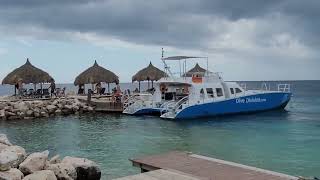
(284, 141)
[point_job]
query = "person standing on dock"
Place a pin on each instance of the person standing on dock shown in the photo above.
(20, 87)
(53, 87)
(81, 89)
(98, 87)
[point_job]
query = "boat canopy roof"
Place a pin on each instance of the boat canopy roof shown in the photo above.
(181, 57)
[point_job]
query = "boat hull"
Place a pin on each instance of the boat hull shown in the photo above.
(245, 104)
(147, 111)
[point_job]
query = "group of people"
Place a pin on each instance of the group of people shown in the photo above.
(57, 92)
(98, 89)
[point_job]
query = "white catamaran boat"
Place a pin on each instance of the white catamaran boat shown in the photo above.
(203, 93)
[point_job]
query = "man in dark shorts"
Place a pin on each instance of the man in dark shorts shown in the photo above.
(53, 87)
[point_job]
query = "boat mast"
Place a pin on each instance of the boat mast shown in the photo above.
(166, 67)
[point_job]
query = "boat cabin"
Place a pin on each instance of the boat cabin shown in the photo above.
(174, 91)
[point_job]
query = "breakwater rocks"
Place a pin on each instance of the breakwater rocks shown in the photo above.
(16, 164)
(42, 108)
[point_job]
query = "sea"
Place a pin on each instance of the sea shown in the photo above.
(286, 141)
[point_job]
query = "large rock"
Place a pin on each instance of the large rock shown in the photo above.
(68, 107)
(51, 108)
(3, 146)
(41, 175)
(44, 114)
(4, 140)
(55, 102)
(36, 114)
(55, 159)
(21, 106)
(13, 117)
(9, 113)
(12, 174)
(90, 109)
(7, 160)
(8, 108)
(2, 114)
(29, 113)
(19, 151)
(86, 169)
(21, 115)
(2, 106)
(63, 171)
(34, 162)
(58, 112)
(75, 108)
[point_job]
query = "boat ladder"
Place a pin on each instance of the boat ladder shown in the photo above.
(177, 106)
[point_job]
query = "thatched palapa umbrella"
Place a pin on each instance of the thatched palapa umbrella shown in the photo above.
(196, 70)
(150, 73)
(96, 74)
(27, 73)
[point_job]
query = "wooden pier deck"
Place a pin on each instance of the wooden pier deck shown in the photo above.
(204, 167)
(161, 174)
(107, 106)
(103, 103)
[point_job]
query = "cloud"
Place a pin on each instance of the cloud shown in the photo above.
(262, 31)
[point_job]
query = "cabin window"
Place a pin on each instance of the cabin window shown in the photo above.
(231, 90)
(219, 92)
(210, 92)
(238, 90)
(169, 96)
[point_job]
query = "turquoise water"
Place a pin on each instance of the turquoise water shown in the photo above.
(285, 141)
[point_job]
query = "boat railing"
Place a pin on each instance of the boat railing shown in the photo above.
(265, 87)
(166, 106)
(243, 86)
(179, 104)
(284, 88)
(128, 101)
(134, 99)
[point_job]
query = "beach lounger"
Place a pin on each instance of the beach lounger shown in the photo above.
(46, 93)
(30, 93)
(38, 93)
(103, 90)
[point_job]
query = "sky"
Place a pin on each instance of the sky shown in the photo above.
(244, 39)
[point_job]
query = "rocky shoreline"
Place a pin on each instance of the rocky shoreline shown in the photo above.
(42, 108)
(16, 164)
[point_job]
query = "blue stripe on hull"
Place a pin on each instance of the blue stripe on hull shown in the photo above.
(246, 104)
(148, 111)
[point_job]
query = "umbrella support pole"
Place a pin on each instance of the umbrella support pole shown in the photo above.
(139, 87)
(41, 89)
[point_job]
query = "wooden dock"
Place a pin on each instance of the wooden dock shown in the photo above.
(161, 174)
(107, 106)
(103, 103)
(201, 167)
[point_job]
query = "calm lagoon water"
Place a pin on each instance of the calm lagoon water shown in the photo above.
(285, 141)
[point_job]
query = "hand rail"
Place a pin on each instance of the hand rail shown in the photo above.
(180, 102)
(284, 88)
